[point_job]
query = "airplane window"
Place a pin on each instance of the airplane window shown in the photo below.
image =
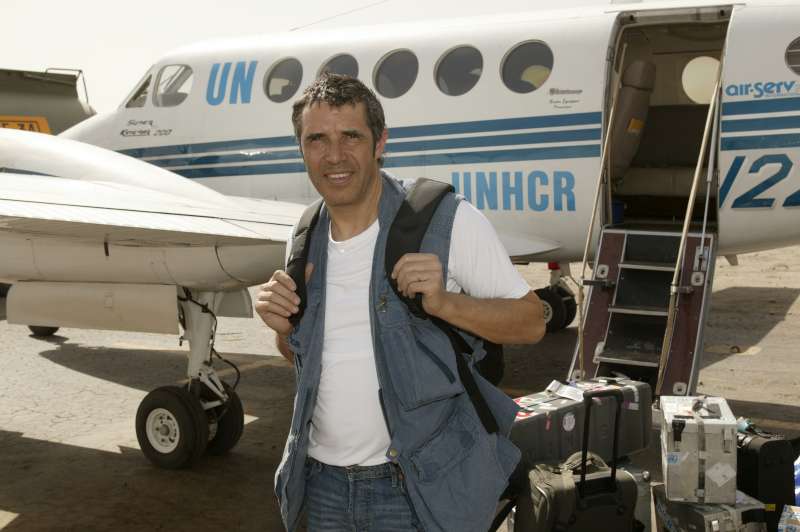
(283, 80)
(459, 70)
(396, 73)
(793, 56)
(527, 66)
(699, 77)
(341, 64)
(140, 96)
(174, 84)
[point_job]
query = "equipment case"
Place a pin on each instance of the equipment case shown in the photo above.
(698, 449)
(745, 515)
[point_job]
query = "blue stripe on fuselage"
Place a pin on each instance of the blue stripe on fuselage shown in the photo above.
(478, 126)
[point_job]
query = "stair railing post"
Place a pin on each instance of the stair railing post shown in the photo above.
(595, 208)
(673, 291)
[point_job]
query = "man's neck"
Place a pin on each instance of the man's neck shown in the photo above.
(348, 221)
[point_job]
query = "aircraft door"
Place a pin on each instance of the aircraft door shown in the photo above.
(759, 180)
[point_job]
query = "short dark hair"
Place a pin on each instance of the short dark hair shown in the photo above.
(337, 90)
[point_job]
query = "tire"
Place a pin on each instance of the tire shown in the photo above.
(554, 310)
(570, 305)
(41, 331)
(171, 427)
(230, 424)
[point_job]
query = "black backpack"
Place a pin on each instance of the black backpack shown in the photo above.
(405, 236)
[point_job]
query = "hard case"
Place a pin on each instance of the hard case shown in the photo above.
(549, 426)
(698, 449)
(582, 493)
(745, 515)
(764, 470)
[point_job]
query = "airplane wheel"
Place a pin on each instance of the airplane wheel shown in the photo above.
(230, 424)
(570, 305)
(41, 331)
(172, 427)
(554, 309)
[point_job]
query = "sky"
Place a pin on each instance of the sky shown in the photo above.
(115, 42)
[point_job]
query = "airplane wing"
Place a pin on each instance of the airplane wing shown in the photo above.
(121, 213)
(75, 213)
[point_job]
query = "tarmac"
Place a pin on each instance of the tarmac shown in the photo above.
(70, 460)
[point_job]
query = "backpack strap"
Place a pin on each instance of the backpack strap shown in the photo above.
(405, 236)
(408, 230)
(296, 265)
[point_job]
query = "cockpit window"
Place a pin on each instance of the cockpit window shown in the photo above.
(396, 73)
(459, 70)
(140, 95)
(283, 80)
(341, 64)
(527, 66)
(174, 84)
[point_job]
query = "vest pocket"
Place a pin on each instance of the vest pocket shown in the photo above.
(421, 363)
(457, 474)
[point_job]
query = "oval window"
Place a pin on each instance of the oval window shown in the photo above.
(344, 64)
(699, 78)
(793, 56)
(283, 80)
(527, 66)
(459, 70)
(173, 86)
(396, 73)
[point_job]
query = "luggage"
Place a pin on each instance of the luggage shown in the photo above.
(790, 519)
(764, 470)
(549, 425)
(582, 493)
(745, 515)
(698, 449)
(644, 498)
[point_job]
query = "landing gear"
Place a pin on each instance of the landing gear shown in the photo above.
(41, 331)
(555, 312)
(228, 424)
(558, 301)
(175, 425)
(172, 427)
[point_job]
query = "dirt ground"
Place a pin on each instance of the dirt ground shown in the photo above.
(70, 460)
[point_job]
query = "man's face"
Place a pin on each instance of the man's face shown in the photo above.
(338, 152)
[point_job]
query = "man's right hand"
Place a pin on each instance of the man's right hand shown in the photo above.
(277, 300)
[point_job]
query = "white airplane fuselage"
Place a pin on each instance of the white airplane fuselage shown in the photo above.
(528, 157)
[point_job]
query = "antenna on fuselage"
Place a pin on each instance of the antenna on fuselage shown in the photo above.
(326, 19)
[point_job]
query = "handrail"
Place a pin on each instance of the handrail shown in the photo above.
(673, 291)
(597, 193)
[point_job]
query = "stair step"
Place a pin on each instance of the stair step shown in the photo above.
(639, 311)
(627, 359)
(641, 247)
(652, 266)
(643, 288)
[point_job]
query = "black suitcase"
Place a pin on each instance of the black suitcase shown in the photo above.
(765, 471)
(567, 497)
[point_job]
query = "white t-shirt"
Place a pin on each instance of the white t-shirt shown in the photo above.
(347, 425)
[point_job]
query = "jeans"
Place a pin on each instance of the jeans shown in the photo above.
(357, 499)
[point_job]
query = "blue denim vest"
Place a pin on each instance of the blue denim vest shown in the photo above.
(454, 470)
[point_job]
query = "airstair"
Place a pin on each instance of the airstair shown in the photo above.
(643, 311)
(627, 318)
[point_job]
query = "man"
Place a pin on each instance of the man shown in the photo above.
(384, 437)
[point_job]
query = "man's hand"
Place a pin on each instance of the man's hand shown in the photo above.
(277, 300)
(421, 273)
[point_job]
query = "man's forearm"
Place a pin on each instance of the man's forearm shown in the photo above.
(503, 321)
(282, 343)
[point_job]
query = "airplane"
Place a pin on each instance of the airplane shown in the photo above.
(658, 122)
